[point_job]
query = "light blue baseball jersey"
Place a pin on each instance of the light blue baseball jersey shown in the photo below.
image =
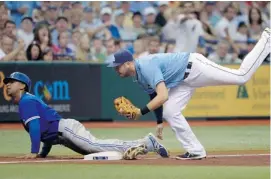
(167, 67)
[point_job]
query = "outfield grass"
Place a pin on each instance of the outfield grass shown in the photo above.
(213, 138)
(77, 171)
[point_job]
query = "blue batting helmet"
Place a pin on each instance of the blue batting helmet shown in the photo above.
(21, 77)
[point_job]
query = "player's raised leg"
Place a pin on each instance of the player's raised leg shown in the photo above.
(207, 73)
(177, 101)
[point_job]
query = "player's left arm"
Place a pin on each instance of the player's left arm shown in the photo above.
(161, 97)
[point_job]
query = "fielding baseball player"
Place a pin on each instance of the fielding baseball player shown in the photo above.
(171, 79)
(45, 125)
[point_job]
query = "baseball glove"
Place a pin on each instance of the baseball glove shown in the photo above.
(126, 108)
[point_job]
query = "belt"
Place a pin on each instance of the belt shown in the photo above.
(188, 69)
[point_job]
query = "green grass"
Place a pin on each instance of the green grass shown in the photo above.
(213, 138)
(67, 171)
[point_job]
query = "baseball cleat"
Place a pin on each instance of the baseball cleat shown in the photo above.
(190, 156)
(133, 152)
(158, 148)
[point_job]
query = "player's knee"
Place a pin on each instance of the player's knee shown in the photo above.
(168, 113)
(242, 80)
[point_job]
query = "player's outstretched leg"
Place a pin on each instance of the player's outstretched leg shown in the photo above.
(82, 139)
(207, 73)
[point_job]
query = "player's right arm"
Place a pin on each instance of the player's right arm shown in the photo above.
(30, 116)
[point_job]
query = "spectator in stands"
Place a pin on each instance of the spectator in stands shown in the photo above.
(112, 46)
(125, 7)
(151, 28)
(95, 28)
(10, 29)
(256, 24)
(37, 16)
(209, 37)
(67, 12)
(169, 32)
(21, 56)
(44, 6)
(264, 7)
(153, 46)
(75, 40)
(76, 17)
(88, 21)
(137, 24)
(106, 19)
(33, 52)
(160, 18)
(42, 36)
(61, 26)
(210, 13)
(18, 9)
(63, 52)
(3, 18)
(83, 50)
(26, 31)
(126, 33)
(7, 50)
(140, 6)
(222, 55)
(98, 50)
(228, 21)
(50, 16)
(77, 5)
(47, 55)
(242, 33)
(138, 48)
(241, 39)
(188, 29)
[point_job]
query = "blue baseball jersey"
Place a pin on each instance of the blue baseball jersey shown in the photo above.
(38, 119)
(167, 67)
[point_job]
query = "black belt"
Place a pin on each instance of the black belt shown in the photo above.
(189, 66)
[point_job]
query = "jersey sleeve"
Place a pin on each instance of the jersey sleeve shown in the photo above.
(153, 76)
(28, 110)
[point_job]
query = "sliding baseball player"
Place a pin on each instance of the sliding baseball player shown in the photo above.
(45, 125)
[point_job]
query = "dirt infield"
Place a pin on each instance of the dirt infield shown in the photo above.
(130, 124)
(211, 160)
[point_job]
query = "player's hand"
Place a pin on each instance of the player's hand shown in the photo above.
(159, 131)
(28, 156)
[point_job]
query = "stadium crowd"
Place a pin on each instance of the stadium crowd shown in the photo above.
(91, 31)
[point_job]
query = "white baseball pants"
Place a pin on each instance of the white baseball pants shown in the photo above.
(207, 73)
(76, 133)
